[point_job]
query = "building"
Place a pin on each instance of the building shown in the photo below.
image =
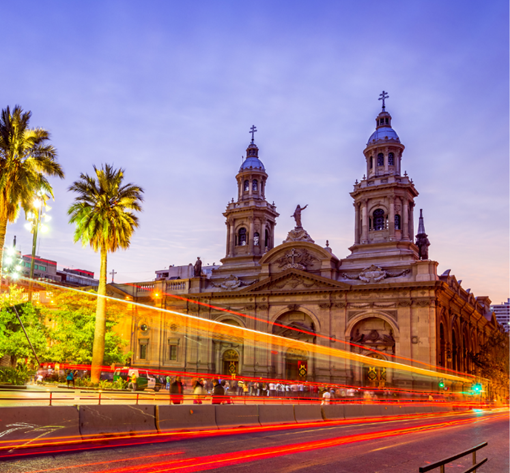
(43, 268)
(77, 277)
(386, 295)
(184, 272)
(502, 313)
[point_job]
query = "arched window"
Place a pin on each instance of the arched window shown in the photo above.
(379, 219)
(266, 239)
(391, 159)
(255, 185)
(454, 351)
(380, 159)
(241, 240)
(371, 162)
(442, 346)
(397, 222)
(246, 186)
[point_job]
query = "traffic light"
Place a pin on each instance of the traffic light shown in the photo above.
(441, 384)
(477, 388)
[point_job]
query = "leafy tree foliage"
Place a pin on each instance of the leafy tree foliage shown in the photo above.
(72, 325)
(25, 160)
(13, 341)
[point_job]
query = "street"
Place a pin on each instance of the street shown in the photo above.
(351, 446)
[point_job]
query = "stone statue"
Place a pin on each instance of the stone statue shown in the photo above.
(423, 243)
(197, 269)
(297, 215)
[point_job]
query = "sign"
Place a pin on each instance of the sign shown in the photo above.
(302, 368)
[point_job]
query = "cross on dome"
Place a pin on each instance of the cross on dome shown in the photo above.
(382, 97)
(253, 130)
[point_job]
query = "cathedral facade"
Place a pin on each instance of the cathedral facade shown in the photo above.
(384, 299)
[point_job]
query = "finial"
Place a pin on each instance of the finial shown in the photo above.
(253, 130)
(383, 97)
(327, 243)
(356, 182)
(405, 173)
(364, 177)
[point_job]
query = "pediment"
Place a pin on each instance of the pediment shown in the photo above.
(294, 280)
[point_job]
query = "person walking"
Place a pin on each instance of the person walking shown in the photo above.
(168, 379)
(198, 391)
(218, 392)
(132, 382)
(326, 398)
(70, 378)
(176, 391)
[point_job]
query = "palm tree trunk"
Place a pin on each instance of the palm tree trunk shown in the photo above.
(3, 230)
(100, 328)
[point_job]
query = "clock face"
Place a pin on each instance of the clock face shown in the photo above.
(144, 327)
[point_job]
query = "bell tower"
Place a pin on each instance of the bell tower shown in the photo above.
(251, 219)
(384, 200)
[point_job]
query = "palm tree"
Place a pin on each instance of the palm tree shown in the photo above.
(103, 215)
(25, 161)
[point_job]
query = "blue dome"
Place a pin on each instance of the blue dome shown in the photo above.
(382, 133)
(252, 162)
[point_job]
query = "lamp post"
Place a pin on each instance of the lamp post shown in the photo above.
(33, 225)
(11, 265)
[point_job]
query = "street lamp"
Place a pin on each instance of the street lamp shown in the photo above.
(11, 264)
(35, 223)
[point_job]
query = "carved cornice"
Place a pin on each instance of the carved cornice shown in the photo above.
(325, 305)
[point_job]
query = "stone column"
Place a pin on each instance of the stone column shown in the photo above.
(392, 217)
(411, 221)
(232, 238)
(250, 236)
(228, 238)
(356, 223)
(251, 186)
(364, 224)
(262, 238)
(405, 228)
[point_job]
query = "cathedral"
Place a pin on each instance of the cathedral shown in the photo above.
(384, 299)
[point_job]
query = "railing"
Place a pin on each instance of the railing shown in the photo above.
(440, 464)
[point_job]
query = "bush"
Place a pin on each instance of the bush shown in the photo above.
(17, 376)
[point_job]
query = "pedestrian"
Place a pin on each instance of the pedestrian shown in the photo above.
(70, 378)
(326, 397)
(198, 391)
(132, 382)
(168, 379)
(218, 392)
(176, 391)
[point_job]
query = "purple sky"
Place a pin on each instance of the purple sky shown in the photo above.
(169, 89)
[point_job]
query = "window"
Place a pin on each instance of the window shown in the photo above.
(371, 162)
(241, 241)
(143, 349)
(386, 121)
(255, 185)
(379, 219)
(246, 186)
(256, 238)
(391, 159)
(172, 352)
(397, 222)
(266, 240)
(380, 159)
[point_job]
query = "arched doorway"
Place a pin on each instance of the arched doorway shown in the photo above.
(372, 333)
(230, 363)
(294, 363)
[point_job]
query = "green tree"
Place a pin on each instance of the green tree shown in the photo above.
(104, 218)
(13, 341)
(25, 161)
(72, 323)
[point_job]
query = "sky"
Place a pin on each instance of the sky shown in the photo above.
(168, 90)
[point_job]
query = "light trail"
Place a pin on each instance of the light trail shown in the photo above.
(219, 460)
(167, 436)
